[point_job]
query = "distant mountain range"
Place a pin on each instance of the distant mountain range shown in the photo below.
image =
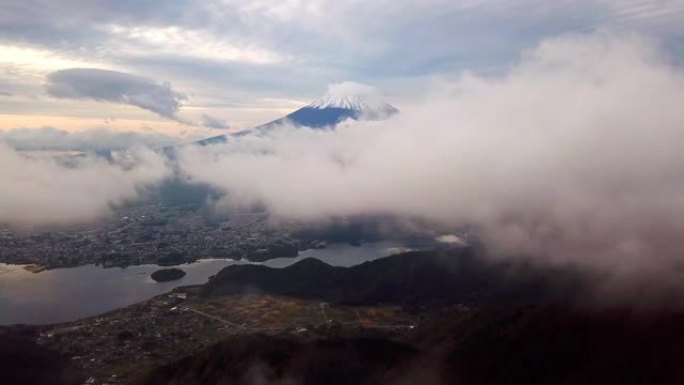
(323, 113)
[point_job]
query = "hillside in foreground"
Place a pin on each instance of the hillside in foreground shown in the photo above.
(528, 345)
(432, 317)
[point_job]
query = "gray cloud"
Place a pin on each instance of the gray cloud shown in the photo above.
(380, 40)
(214, 122)
(38, 190)
(116, 87)
(98, 139)
(574, 156)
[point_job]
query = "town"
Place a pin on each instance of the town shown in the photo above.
(174, 325)
(155, 233)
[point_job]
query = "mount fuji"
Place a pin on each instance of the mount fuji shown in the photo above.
(326, 112)
(333, 109)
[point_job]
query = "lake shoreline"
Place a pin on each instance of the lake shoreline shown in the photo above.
(68, 294)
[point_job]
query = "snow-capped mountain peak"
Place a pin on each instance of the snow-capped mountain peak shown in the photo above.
(352, 96)
(348, 102)
(344, 101)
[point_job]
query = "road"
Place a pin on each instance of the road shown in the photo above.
(214, 318)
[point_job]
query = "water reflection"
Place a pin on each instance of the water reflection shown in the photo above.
(342, 254)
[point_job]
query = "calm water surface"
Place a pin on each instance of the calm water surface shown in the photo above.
(68, 294)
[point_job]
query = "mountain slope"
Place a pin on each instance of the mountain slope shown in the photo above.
(325, 112)
(526, 345)
(333, 109)
(22, 361)
(413, 278)
(260, 359)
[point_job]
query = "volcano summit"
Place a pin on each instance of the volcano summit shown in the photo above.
(347, 100)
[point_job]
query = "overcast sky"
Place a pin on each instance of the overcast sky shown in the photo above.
(193, 68)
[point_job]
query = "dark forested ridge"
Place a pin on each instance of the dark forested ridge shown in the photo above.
(23, 362)
(413, 278)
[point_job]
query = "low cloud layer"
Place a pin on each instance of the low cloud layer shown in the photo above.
(573, 156)
(116, 87)
(43, 191)
(49, 138)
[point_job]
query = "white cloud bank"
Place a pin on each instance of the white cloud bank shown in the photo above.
(574, 156)
(43, 191)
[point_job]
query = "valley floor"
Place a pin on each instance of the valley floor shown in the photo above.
(121, 346)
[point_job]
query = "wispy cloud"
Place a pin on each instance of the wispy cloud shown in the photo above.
(214, 122)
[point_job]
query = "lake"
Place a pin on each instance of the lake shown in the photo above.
(67, 294)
